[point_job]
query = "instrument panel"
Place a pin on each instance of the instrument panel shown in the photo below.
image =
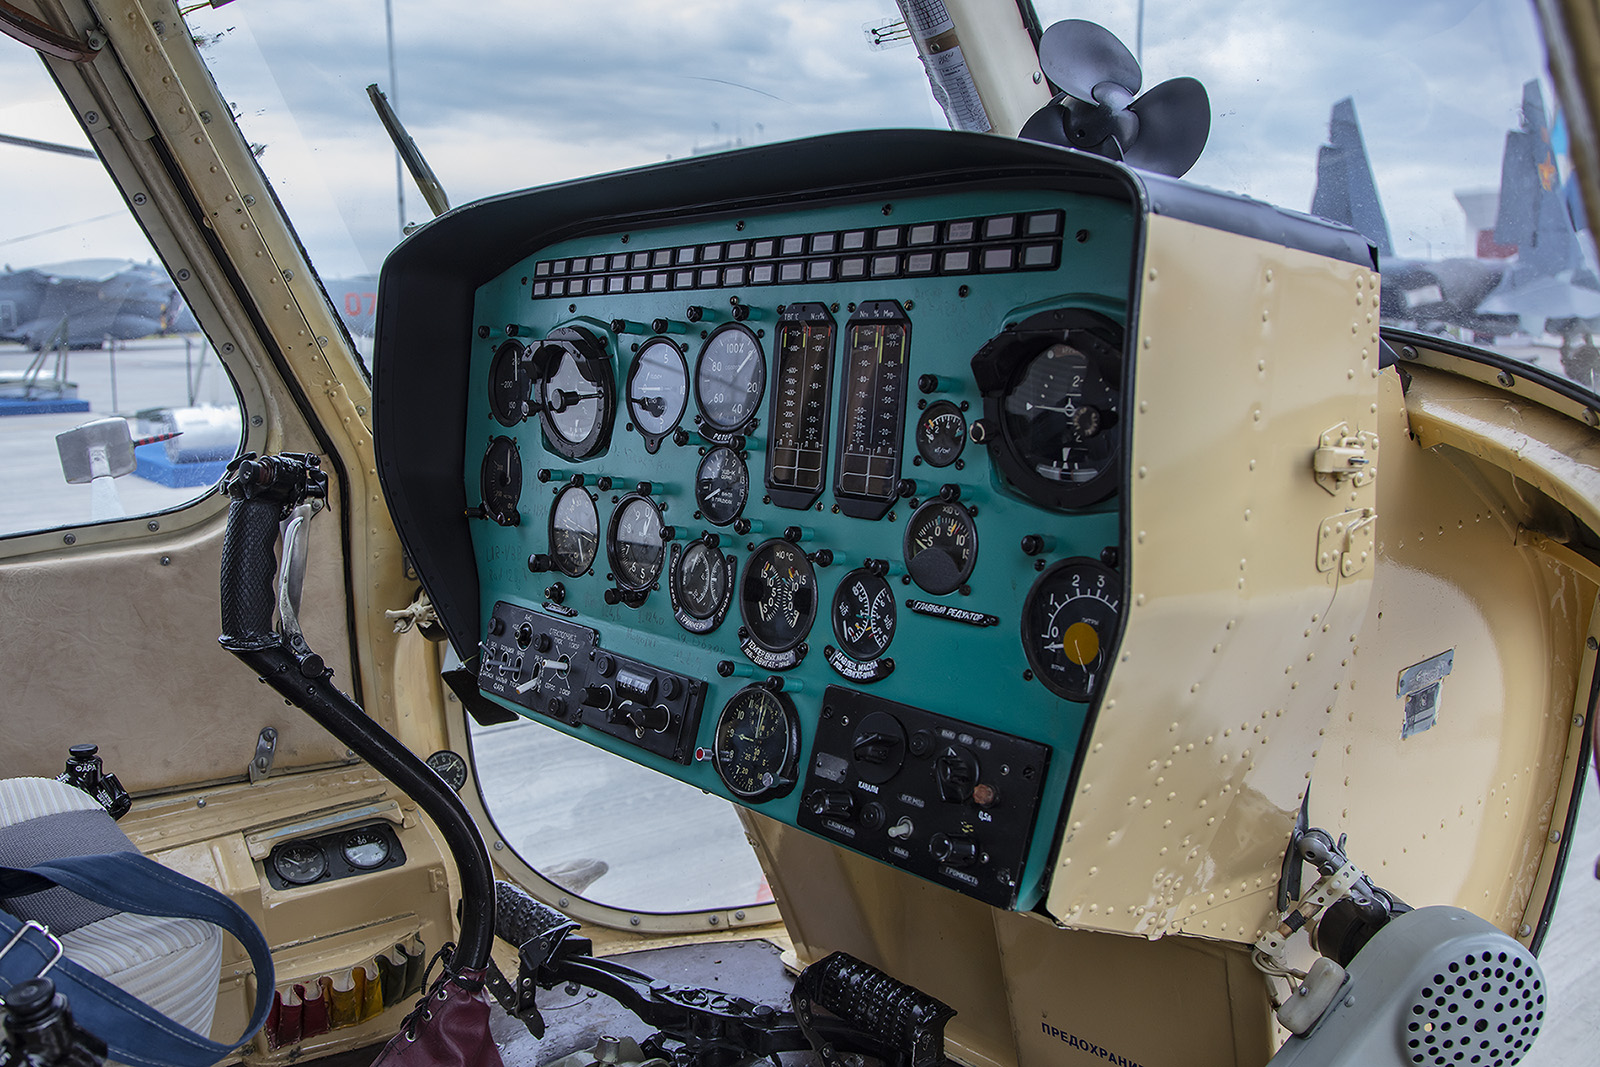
(816, 509)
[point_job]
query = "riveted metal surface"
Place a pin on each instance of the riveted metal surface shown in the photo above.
(1235, 644)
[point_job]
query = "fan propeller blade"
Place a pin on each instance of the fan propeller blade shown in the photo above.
(1077, 56)
(1174, 122)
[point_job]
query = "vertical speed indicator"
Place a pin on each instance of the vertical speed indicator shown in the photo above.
(798, 414)
(872, 408)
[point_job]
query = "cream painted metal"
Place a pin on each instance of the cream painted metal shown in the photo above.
(1236, 643)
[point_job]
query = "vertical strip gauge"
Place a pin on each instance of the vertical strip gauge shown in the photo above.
(872, 409)
(797, 449)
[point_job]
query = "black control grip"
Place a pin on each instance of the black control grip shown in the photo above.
(249, 566)
(900, 1016)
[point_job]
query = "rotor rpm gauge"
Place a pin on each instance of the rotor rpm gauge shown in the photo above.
(577, 393)
(636, 543)
(721, 486)
(574, 532)
(941, 546)
(510, 383)
(941, 434)
(798, 416)
(756, 747)
(500, 480)
(657, 391)
(778, 598)
(1069, 621)
(730, 378)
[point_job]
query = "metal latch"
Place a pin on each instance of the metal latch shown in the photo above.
(1342, 456)
(266, 748)
(1346, 541)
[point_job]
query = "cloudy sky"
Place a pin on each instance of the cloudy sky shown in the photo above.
(505, 94)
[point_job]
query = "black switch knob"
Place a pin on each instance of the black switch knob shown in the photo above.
(538, 563)
(833, 805)
(605, 665)
(953, 851)
(542, 643)
(642, 717)
(555, 593)
(695, 313)
(497, 626)
(955, 769)
(524, 635)
(873, 816)
(873, 748)
(597, 696)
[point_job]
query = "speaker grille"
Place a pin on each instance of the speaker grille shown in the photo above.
(1484, 1009)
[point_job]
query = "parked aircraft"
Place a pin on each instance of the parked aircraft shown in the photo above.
(81, 303)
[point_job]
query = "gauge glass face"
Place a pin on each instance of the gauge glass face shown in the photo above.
(864, 615)
(510, 384)
(702, 580)
(941, 434)
(637, 546)
(1061, 417)
(803, 360)
(1069, 621)
(365, 849)
(658, 388)
(778, 595)
(572, 402)
(449, 766)
(941, 546)
(299, 864)
(730, 378)
(757, 744)
(721, 486)
(501, 480)
(574, 531)
(872, 407)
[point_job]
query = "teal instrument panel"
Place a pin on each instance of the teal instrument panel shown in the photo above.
(816, 508)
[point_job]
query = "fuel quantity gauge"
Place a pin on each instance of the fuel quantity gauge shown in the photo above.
(1070, 621)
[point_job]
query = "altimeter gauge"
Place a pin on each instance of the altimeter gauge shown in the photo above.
(1070, 621)
(756, 747)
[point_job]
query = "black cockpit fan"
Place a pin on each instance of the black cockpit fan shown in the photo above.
(1094, 109)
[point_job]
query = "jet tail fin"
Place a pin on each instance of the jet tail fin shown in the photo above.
(1533, 213)
(1345, 190)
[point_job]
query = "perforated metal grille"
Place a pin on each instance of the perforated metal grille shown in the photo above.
(1484, 1009)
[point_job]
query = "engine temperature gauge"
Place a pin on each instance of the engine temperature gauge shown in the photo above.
(1069, 621)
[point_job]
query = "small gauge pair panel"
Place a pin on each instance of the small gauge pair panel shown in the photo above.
(332, 856)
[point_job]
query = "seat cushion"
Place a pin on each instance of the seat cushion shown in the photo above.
(170, 964)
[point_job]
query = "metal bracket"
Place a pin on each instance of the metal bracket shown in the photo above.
(1345, 541)
(1343, 456)
(266, 747)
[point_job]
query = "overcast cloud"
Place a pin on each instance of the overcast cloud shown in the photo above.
(503, 95)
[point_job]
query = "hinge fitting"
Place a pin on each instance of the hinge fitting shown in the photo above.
(1343, 456)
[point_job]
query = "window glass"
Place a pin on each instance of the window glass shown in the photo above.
(92, 331)
(1431, 127)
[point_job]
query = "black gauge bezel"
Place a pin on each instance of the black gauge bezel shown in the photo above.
(699, 501)
(693, 621)
(282, 850)
(450, 766)
(862, 575)
(555, 509)
(364, 831)
(707, 419)
(594, 365)
(752, 577)
(652, 440)
(800, 315)
(781, 771)
(509, 413)
(998, 368)
(861, 505)
(500, 502)
(1043, 670)
(618, 572)
(938, 409)
(917, 518)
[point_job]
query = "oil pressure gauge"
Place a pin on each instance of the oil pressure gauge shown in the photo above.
(1070, 620)
(941, 434)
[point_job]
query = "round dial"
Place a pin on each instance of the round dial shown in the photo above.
(702, 579)
(365, 848)
(658, 390)
(299, 864)
(721, 486)
(510, 383)
(449, 766)
(577, 404)
(574, 531)
(941, 546)
(863, 615)
(941, 434)
(500, 480)
(730, 378)
(778, 595)
(636, 543)
(757, 744)
(1069, 621)
(1061, 418)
